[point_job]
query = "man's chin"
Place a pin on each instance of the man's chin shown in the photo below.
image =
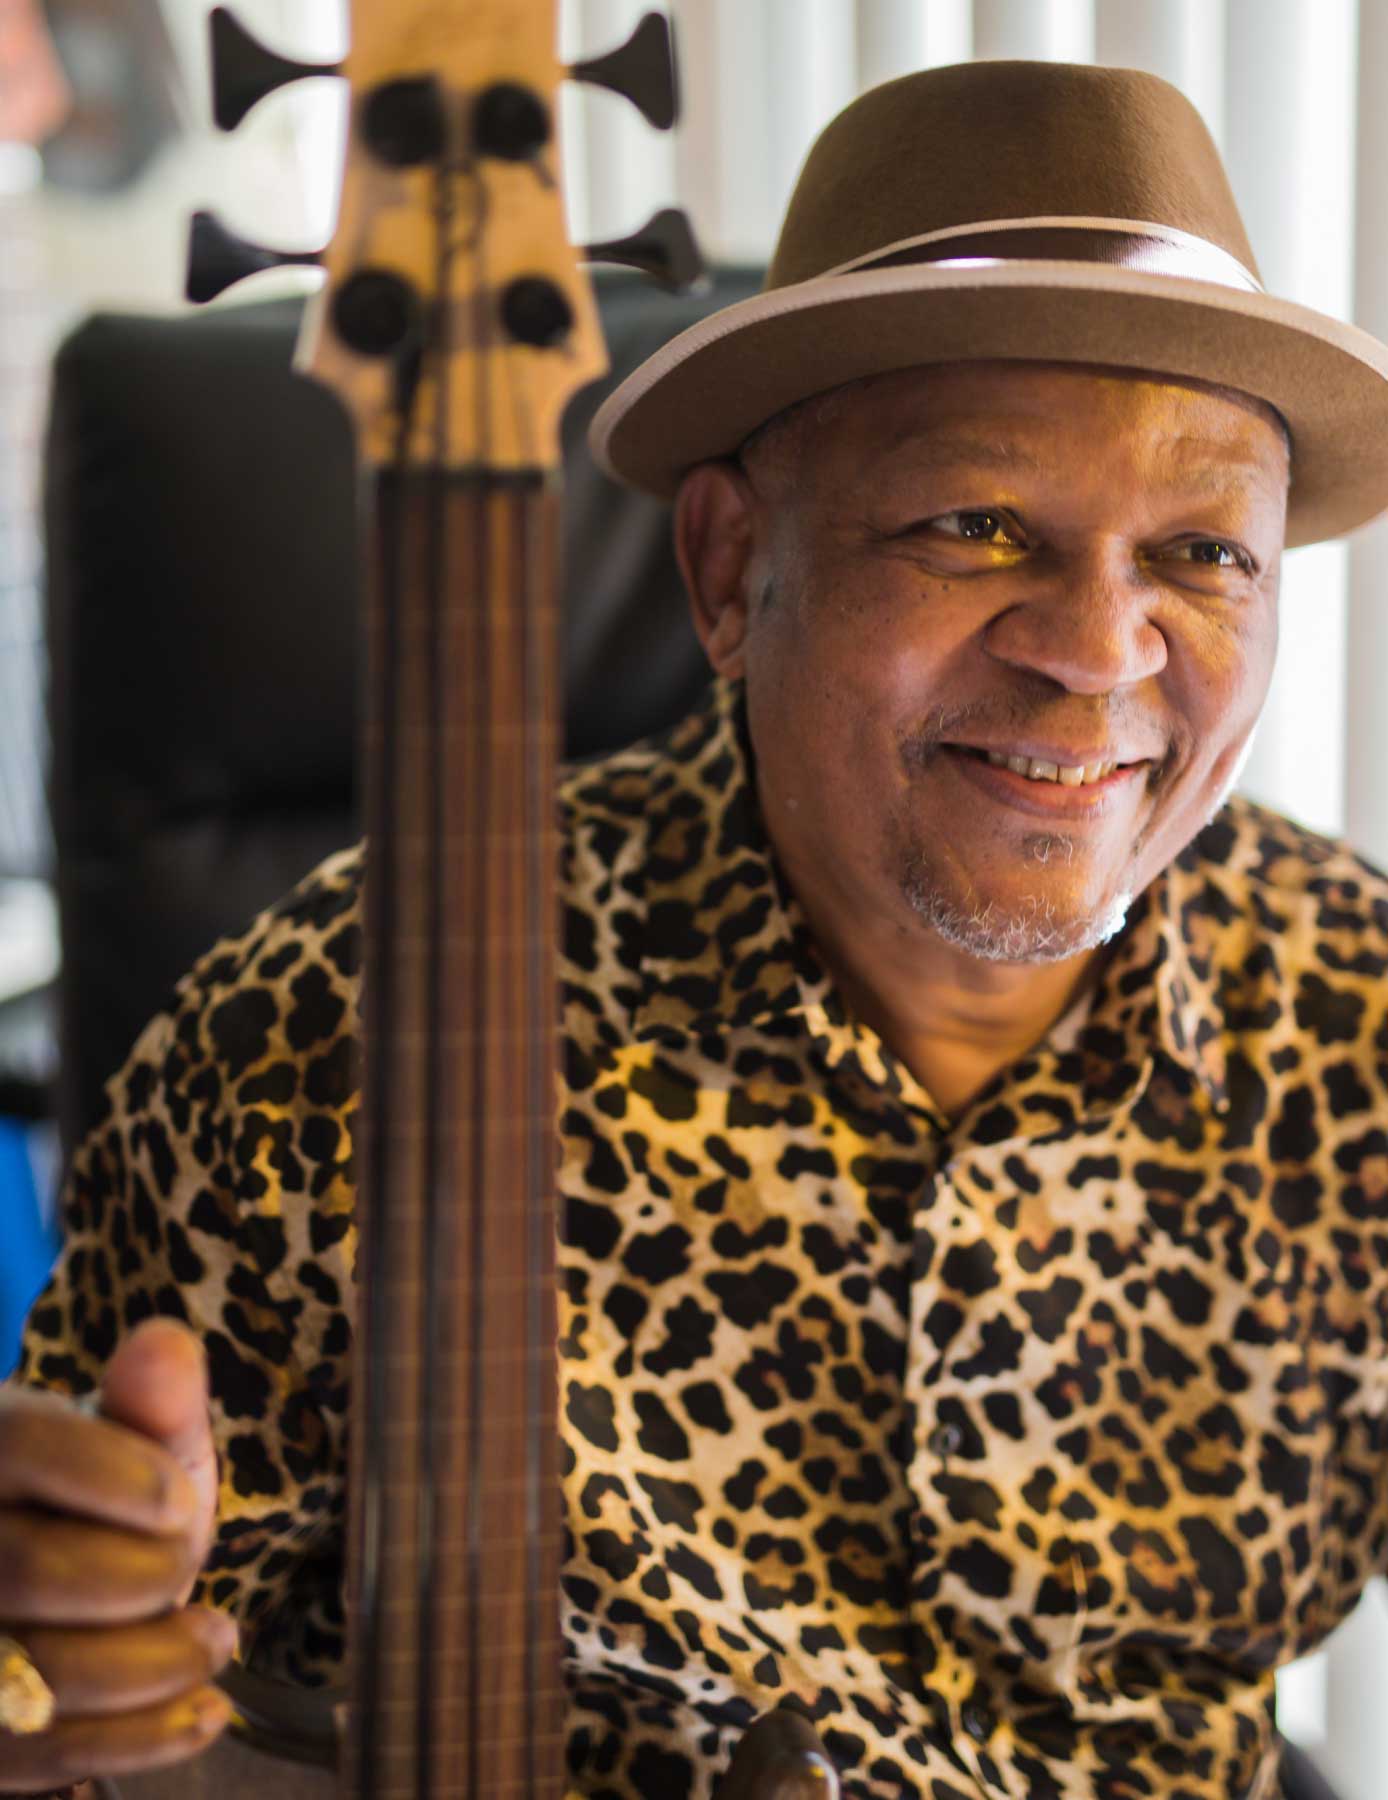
(1033, 930)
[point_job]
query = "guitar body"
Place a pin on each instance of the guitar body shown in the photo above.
(779, 1759)
(231, 1770)
(265, 1756)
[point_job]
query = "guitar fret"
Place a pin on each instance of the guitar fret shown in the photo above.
(461, 1139)
(406, 1658)
(544, 1693)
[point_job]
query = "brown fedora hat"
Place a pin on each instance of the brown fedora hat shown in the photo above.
(1038, 211)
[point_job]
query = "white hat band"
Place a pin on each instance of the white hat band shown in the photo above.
(1122, 243)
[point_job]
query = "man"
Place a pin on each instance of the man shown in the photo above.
(972, 1146)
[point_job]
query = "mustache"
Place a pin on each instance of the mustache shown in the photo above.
(1114, 720)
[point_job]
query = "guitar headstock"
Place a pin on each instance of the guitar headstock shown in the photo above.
(456, 320)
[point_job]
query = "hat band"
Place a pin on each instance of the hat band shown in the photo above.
(1122, 243)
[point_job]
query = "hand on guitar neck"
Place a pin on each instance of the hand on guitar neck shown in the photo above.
(104, 1522)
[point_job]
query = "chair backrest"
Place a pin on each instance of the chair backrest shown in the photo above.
(202, 620)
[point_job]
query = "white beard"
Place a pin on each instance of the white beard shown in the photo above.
(1030, 933)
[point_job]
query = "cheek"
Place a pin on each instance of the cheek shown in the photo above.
(1217, 704)
(878, 639)
(1231, 684)
(836, 676)
(1219, 663)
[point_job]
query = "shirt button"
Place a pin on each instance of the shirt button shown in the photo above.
(975, 1719)
(944, 1440)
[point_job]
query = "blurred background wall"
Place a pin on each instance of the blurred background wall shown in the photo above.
(1293, 90)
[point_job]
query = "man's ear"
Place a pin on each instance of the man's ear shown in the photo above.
(714, 544)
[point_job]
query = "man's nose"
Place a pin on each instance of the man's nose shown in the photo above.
(1087, 622)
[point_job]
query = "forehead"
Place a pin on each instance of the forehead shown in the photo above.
(1044, 414)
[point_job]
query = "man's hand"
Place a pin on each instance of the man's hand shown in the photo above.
(104, 1522)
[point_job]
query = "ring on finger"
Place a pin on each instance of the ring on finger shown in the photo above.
(27, 1702)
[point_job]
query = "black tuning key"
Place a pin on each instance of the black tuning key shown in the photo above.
(403, 122)
(535, 311)
(511, 122)
(378, 313)
(642, 70)
(664, 248)
(218, 257)
(244, 71)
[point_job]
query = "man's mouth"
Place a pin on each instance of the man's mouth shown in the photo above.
(1029, 779)
(1067, 774)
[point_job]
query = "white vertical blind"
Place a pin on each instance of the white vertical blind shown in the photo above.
(273, 179)
(1366, 716)
(26, 324)
(1180, 40)
(1045, 30)
(896, 36)
(817, 40)
(1354, 1751)
(724, 152)
(760, 82)
(618, 170)
(1290, 113)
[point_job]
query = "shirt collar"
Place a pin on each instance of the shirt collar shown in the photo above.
(1190, 1019)
(726, 945)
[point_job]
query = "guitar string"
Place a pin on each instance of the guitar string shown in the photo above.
(536, 703)
(475, 879)
(386, 583)
(437, 1234)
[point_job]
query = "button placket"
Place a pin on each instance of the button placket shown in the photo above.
(940, 1442)
(976, 1732)
(977, 1198)
(976, 1720)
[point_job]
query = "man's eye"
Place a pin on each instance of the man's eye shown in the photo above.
(1213, 553)
(977, 527)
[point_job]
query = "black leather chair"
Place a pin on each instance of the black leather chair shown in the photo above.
(202, 620)
(202, 600)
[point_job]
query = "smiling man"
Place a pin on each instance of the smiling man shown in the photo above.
(1005, 631)
(975, 1251)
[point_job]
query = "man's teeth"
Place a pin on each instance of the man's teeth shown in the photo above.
(1074, 775)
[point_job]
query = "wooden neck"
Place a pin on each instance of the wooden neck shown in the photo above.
(454, 1490)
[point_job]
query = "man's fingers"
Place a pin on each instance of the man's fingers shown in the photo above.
(59, 1571)
(120, 1745)
(51, 1455)
(103, 1525)
(156, 1384)
(130, 1668)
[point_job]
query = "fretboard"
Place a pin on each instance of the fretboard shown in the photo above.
(454, 1488)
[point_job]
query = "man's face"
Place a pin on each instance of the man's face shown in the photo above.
(1008, 628)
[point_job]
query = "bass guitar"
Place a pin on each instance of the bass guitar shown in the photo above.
(454, 324)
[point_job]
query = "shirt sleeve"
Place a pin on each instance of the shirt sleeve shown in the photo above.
(217, 1189)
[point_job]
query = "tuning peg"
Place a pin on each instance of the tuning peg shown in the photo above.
(642, 70)
(244, 70)
(217, 257)
(665, 248)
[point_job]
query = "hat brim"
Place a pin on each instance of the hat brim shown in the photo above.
(707, 390)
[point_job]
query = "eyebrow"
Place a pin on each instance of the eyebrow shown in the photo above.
(1221, 474)
(938, 449)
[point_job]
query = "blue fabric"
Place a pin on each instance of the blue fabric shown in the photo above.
(28, 1242)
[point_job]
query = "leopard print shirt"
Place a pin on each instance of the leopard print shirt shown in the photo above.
(1020, 1448)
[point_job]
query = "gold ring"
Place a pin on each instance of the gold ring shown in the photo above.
(26, 1701)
